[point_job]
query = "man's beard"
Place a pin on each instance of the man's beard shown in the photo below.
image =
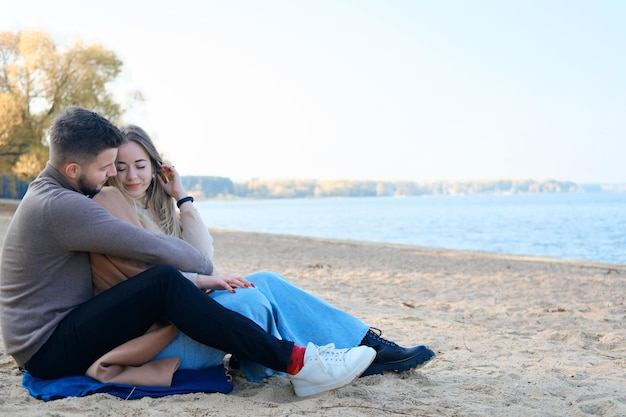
(87, 188)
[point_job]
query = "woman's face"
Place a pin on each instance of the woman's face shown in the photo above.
(134, 169)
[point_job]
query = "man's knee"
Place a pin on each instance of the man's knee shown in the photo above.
(161, 275)
(165, 270)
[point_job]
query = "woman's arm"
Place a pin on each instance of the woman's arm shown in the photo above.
(194, 231)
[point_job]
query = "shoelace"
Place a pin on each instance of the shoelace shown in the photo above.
(377, 337)
(328, 353)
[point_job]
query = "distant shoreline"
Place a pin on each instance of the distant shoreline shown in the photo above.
(11, 203)
(8, 207)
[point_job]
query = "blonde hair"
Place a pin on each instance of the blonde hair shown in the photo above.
(156, 201)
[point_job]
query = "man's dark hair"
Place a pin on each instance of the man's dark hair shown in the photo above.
(79, 135)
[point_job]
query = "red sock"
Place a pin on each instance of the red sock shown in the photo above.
(296, 360)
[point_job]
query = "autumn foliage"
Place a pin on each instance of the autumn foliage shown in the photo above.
(38, 78)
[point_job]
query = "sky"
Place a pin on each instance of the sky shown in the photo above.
(417, 90)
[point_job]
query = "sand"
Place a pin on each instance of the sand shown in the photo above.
(514, 336)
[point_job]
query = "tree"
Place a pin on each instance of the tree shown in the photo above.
(37, 80)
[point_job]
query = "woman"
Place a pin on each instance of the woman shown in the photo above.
(152, 188)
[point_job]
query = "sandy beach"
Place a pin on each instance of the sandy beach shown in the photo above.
(514, 336)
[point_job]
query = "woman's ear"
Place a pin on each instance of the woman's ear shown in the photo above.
(72, 170)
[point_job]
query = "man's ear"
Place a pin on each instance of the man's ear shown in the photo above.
(72, 170)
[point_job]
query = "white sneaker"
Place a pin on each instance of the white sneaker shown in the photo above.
(327, 368)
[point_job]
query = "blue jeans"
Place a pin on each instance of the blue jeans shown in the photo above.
(283, 310)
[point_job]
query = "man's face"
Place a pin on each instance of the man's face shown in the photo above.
(93, 177)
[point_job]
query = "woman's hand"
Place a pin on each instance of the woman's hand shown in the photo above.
(174, 186)
(222, 282)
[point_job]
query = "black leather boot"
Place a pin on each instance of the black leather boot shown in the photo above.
(391, 357)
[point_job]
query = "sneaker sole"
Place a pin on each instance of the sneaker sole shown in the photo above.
(400, 366)
(308, 391)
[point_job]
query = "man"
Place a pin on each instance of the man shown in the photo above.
(54, 327)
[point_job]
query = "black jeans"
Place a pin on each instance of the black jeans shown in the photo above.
(128, 309)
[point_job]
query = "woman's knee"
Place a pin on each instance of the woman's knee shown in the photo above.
(265, 277)
(242, 298)
(248, 302)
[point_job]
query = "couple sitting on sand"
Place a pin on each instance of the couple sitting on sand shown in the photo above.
(145, 227)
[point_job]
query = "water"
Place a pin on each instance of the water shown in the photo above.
(586, 226)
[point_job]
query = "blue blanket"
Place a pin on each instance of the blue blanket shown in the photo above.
(185, 381)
